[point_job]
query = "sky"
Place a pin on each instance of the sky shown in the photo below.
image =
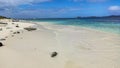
(58, 8)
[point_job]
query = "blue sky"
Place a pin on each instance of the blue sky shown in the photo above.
(58, 8)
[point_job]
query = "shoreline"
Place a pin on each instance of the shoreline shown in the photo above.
(76, 48)
(76, 27)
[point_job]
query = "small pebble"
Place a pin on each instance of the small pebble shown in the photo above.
(54, 54)
(1, 44)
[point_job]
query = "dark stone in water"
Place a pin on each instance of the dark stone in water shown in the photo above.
(54, 54)
(1, 44)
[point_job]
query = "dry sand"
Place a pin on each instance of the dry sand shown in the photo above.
(76, 47)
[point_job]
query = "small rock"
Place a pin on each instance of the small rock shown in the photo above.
(6, 37)
(17, 26)
(1, 44)
(18, 32)
(12, 35)
(2, 39)
(54, 54)
(14, 32)
(30, 28)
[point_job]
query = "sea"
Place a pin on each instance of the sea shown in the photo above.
(111, 25)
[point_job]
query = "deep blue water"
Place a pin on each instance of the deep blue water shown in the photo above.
(107, 25)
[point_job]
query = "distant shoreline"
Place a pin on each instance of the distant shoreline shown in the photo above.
(77, 17)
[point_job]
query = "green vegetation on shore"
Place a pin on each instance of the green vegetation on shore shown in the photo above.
(3, 17)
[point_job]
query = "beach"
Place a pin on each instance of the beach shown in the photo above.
(76, 47)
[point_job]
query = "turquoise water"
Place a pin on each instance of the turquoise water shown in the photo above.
(107, 25)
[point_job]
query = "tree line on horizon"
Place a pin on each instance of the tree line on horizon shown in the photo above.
(3, 17)
(111, 16)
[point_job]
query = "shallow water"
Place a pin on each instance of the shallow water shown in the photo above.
(107, 25)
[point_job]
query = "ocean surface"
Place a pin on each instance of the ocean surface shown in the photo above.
(107, 25)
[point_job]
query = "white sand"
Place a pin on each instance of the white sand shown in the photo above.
(77, 48)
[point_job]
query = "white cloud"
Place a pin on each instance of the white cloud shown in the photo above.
(114, 8)
(13, 3)
(9, 7)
